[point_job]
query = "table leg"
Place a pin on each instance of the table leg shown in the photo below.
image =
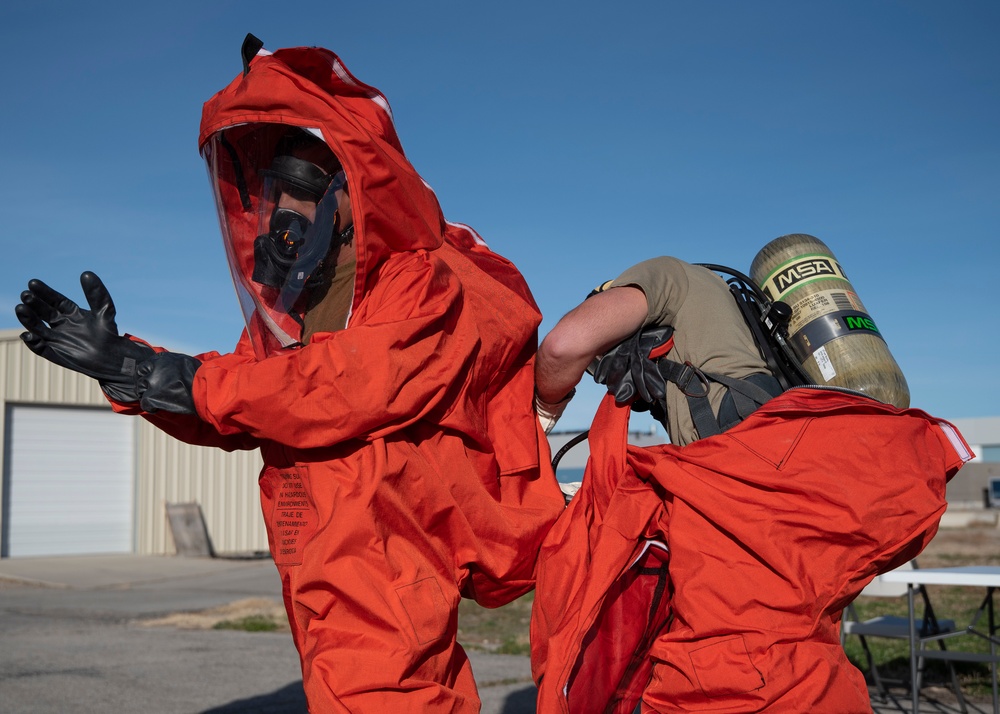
(913, 649)
(993, 651)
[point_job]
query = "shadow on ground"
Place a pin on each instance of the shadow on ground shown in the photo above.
(520, 702)
(290, 699)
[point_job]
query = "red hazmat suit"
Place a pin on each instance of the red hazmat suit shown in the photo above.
(768, 531)
(404, 466)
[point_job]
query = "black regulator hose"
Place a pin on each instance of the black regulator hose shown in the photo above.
(567, 446)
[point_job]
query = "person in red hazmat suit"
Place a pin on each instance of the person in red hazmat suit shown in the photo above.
(386, 374)
(710, 574)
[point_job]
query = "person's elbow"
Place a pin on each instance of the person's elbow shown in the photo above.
(563, 346)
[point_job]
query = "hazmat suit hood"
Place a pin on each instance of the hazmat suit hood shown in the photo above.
(241, 129)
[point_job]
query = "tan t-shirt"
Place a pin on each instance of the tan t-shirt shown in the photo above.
(329, 307)
(709, 330)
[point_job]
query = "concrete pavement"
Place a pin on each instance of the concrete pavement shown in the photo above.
(71, 641)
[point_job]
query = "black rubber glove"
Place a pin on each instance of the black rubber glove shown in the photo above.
(85, 341)
(165, 381)
(629, 373)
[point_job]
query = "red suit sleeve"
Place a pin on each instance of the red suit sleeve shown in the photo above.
(189, 428)
(405, 356)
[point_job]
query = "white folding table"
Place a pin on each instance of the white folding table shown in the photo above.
(985, 576)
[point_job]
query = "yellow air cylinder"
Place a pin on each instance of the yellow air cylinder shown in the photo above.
(830, 332)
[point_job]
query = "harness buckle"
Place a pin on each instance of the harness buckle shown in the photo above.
(685, 378)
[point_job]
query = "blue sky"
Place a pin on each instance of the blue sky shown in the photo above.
(576, 137)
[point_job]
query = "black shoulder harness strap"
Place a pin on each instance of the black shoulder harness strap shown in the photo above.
(768, 323)
(637, 370)
(742, 399)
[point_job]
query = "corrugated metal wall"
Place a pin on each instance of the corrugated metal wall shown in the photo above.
(224, 484)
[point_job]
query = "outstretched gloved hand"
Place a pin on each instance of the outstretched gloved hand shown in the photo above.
(85, 341)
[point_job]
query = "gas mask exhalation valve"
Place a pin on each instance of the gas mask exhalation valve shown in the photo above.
(275, 252)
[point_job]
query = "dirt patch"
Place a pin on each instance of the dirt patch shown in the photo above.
(234, 612)
(505, 629)
(975, 545)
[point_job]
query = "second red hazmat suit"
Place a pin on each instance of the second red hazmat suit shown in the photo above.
(403, 462)
(768, 531)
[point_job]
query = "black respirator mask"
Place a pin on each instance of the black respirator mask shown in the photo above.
(289, 256)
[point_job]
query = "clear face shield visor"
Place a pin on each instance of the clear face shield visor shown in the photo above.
(278, 209)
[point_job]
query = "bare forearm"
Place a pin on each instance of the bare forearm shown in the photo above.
(554, 379)
(584, 333)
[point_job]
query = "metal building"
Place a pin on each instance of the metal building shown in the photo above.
(976, 485)
(80, 479)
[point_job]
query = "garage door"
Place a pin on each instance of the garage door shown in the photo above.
(69, 482)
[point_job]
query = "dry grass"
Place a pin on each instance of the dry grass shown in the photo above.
(252, 614)
(505, 629)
